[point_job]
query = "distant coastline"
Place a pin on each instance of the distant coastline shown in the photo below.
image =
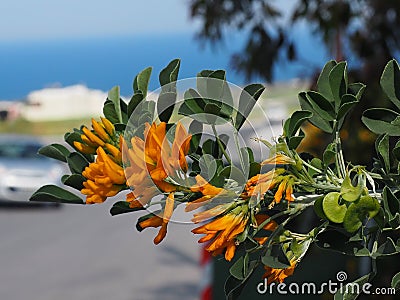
(101, 63)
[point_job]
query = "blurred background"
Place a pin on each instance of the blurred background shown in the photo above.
(59, 56)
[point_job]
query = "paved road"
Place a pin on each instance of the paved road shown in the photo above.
(83, 253)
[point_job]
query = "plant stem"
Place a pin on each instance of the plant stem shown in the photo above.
(340, 165)
(221, 146)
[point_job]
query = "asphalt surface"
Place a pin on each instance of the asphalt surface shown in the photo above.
(82, 253)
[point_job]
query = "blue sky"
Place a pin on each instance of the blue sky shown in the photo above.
(49, 19)
(58, 19)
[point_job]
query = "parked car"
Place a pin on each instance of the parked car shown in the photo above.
(23, 170)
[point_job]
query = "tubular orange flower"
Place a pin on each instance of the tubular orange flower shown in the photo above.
(84, 148)
(270, 226)
(259, 184)
(279, 159)
(108, 126)
(223, 231)
(104, 177)
(158, 221)
(149, 161)
(100, 131)
(279, 275)
(285, 190)
(101, 136)
(208, 190)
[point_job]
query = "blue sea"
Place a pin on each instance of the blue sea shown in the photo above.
(102, 62)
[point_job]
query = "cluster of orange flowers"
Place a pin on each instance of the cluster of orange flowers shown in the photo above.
(149, 163)
(105, 177)
(152, 166)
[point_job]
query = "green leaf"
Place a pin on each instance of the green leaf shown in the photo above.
(141, 82)
(254, 169)
(275, 258)
(321, 106)
(396, 151)
(334, 211)
(234, 173)
(134, 102)
(193, 105)
(357, 89)
(242, 269)
(382, 148)
(338, 82)
(396, 281)
(323, 80)
(387, 248)
(382, 121)
(248, 98)
(122, 207)
(390, 82)
(346, 104)
(110, 112)
(300, 248)
(196, 129)
(338, 241)
(53, 193)
(114, 97)
(70, 137)
(233, 287)
(170, 74)
(55, 151)
(77, 162)
(74, 180)
(295, 141)
(391, 206)
(293, 124)
(358, 211)
(165, 105)
(329, 154)
(247, 155)
(316, 120)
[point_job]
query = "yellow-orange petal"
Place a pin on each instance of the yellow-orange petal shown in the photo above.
(161, 234)
(154, 221)
(92, 137)
(230, 251)
(100, 131)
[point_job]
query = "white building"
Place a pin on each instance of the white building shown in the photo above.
(60, 103)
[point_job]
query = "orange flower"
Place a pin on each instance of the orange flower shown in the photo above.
(259, 184)
(270, 226)
(207, 190)
(102, 135)
(279, 275)
(285, 190)
(223, 231)
(105, 178)
(150, 162)
(158, 221)
(279, 159)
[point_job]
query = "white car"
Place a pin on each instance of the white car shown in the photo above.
(23, 170)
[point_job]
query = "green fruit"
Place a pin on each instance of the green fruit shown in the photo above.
(358, 211)
(349, 192)
(318, 208)
(334, 211)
